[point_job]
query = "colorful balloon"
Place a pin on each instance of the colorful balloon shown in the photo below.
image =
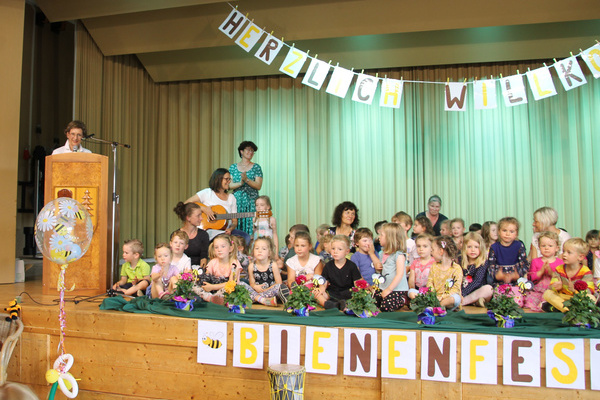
(63, 230)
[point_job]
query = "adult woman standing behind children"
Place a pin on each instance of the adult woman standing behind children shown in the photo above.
(345, 221)
(191, 216)
(217, 193)
(246, 181)
(544, 220)
(433, 213)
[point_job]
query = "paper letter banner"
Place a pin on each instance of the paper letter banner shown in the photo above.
(513, 90)
(284, 344)
(565, 364)
(249, 37)
(521, 361)
(479, 359)
(212, 342)
(540, 83)
(595, 363)
(321, 351)
(591, 57)
(293, 62)
(398, 354)
(570, 73)
(438, 356)
(366, 85)
(316, 74)
(360, 352)
(232, 23)
(269, 49)
(248, 345)
(455, 96)
(485, 94)
(391, 93)
(340, 82)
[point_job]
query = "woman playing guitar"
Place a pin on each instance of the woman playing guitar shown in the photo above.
(216, 194)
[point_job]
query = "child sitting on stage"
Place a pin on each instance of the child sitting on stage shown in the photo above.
(264, 276)
(474, 268)
(392, 295)
(242, 256)
(420, 267)
(324, 247)
(457, 227)
(340, 274)
(365, 257)
(222, 268)
(406, 222)
(135, 273)
(179, 243)
(422, 225)
(507, 258)
(164, 274)
(565, 277)
(592, 238)
(263, 225)
(445, 276)
(292, 234)
(542, 269)
(303, 262)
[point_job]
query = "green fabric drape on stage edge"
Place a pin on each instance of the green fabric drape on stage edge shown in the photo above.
(545, 325)
(317, 150)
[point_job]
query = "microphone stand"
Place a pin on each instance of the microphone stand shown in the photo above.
(115, 197)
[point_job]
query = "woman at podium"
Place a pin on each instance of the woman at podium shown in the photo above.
(75, 131)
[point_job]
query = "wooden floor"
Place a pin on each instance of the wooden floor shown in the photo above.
(123, 356)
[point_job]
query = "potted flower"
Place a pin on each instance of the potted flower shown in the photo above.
(237, 297)
(503, 309)
(184, 295)
(301, 300)
(582, 310)
(362, 303)
(427, 306)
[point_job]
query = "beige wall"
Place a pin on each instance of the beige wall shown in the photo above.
(11, 52)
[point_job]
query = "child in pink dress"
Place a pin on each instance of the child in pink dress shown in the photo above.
(541, 270)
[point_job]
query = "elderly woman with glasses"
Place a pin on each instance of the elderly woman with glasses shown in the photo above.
(217, 194)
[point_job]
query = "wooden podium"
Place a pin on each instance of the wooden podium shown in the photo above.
(83, 177)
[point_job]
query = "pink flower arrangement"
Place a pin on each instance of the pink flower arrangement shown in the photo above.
(301, 279)
(423, 289)
(361, 284)
(580, 286)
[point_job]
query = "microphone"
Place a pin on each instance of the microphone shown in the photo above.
(89, 136)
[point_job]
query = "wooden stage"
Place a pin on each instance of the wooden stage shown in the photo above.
(121, 356)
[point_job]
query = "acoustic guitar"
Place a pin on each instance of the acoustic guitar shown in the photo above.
(222, 217)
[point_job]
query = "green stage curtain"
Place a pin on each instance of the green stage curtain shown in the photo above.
(317, 150)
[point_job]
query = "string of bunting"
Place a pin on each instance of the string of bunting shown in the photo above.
(247, 35)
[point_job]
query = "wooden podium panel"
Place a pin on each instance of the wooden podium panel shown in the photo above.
(83, 177)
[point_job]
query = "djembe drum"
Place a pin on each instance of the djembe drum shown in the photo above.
(287, 381)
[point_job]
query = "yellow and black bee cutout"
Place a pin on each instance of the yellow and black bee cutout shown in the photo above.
(212, 340)
(13, 310)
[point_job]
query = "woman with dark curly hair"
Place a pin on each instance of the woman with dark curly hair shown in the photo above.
(246, 181)
(345, 221)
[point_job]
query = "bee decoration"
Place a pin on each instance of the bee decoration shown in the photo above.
(212, 342)
(13, 310)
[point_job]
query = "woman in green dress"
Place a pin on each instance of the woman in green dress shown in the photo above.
(246, 181)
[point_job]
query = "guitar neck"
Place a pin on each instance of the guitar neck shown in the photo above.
(235, 215)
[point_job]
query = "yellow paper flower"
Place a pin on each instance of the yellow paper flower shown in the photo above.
(230, 286)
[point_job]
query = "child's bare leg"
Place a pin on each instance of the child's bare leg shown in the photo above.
(157, 288)
(172, 284)
(448, 302)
